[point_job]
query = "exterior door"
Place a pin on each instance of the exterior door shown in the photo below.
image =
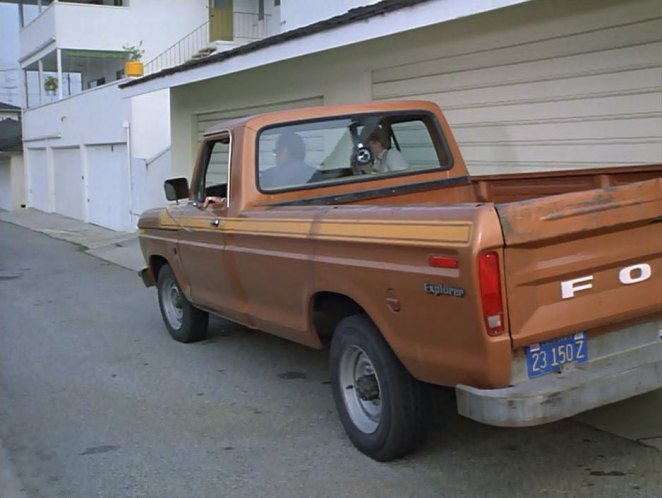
(221, 26)
(202, 239)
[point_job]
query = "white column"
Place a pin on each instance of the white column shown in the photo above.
(24, 84)
(40, 82)
(59, 74)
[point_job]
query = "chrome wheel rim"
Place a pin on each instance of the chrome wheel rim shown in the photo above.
(360, 389)
(171, 300)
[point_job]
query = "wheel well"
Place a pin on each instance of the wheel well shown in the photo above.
(156, 263)
(329, 308)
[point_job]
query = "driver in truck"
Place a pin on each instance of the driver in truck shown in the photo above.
(290, 168)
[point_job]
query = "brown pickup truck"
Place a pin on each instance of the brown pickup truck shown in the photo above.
(535, 296)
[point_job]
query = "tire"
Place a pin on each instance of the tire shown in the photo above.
(184, 322)
(381, 406)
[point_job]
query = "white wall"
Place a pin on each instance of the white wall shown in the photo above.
(150, 142)
(87, 133)
(159, 23)
(94, 116)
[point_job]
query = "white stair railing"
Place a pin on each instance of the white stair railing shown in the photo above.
(247, 28)
(181, 51)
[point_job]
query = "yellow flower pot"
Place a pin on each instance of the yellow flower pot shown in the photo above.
(133, 68)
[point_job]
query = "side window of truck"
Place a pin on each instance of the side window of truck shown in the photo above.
(215, 181)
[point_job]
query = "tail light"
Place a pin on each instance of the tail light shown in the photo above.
(489, 279)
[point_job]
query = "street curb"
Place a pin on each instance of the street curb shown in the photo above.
(10, 484)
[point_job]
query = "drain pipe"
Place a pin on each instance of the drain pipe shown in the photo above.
(127, 127)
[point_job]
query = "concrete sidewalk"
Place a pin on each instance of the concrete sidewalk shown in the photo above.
(120, 248)
(638, 419)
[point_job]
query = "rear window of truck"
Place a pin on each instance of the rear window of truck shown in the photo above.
(347, 149)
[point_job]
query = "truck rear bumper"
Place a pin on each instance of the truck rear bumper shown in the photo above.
(557, 396)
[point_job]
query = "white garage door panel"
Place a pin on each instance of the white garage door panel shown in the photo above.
(584, 88)
(578, 69)
(636, 34)
(562, 156)
(68, 182)
(107, 182)
(577, 108)
(38, 183)
(633, 128)
(539, 90)
(6, 200)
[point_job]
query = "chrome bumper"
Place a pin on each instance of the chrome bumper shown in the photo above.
(607, 379)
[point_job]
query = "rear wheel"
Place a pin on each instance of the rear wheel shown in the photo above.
(184, 322)
(380, 405)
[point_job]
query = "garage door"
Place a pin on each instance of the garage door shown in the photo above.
(107, 182)
(545, 85)
(68, 181)
(38, 183)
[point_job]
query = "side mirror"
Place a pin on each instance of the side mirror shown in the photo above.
(176, 188)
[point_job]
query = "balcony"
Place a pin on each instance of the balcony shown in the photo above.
(69, 24)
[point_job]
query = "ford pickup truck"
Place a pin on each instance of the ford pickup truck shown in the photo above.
(534, 296)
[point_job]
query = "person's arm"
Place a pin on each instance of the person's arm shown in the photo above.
(212, 199)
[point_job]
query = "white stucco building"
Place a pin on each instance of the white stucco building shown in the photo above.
(527, 85)
(90, 154)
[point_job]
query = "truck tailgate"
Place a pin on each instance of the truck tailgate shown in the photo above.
(581, 260)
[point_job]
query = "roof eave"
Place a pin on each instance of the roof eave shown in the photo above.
(325, 35)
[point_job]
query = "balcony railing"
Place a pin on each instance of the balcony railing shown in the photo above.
(247, 28)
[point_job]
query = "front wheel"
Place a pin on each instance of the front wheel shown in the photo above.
(380, 405)
(184, 322)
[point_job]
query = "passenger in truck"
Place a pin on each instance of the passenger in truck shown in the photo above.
(386, 158)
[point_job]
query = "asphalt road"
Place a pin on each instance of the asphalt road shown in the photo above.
(97, 401)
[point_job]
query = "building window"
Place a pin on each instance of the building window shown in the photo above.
(260, 10)
(276, 3)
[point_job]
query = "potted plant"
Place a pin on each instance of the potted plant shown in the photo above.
(50, 85)
(134, 67)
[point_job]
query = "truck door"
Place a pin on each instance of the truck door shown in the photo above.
(202, 239)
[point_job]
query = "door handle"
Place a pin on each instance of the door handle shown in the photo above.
(215, 222)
